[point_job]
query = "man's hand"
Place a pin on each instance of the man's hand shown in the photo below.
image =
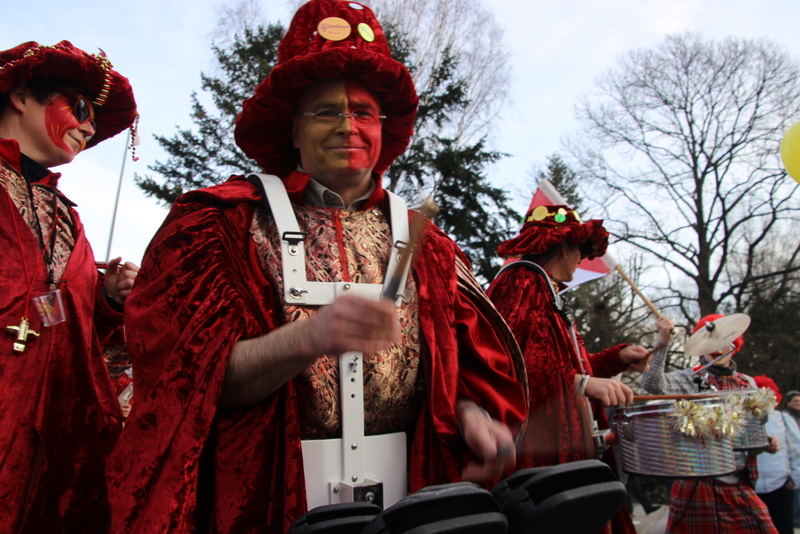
(665, 329)
(119, 279)
(259, 366)
(609, 392)
(489, 440)
(353, 323)
(637, 357)
(774, 445)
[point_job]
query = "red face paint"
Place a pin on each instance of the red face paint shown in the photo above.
(367, 138)
(342, 152)
(59, 120)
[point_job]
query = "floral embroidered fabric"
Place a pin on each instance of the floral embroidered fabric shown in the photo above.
(349, 246)
(43, 199)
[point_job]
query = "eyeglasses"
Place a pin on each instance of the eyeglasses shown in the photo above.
(364, 118)
(81, 108)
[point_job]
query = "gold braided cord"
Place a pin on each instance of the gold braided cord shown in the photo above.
(100, 58)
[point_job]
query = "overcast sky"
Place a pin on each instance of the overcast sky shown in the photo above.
(557, 50)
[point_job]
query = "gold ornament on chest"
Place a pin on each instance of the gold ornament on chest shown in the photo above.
(23, 331)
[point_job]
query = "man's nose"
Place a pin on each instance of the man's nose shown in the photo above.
(347, 124)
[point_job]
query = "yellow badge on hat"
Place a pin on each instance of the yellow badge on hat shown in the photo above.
(334, 28)
(539, 214)
(366, 32)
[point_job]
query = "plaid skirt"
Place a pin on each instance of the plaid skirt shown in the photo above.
(708, 506)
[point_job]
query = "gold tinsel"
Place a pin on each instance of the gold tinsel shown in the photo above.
(761, 403)
(729, 417)
(695, 420)
(690, 418)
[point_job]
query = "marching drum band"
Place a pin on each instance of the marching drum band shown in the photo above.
(310, 356)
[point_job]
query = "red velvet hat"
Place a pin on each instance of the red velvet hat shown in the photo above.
(763, 381)
(327, 39)
(112, 96)
(737, 343)
(546, 226)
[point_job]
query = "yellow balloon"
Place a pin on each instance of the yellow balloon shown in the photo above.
(790, 151)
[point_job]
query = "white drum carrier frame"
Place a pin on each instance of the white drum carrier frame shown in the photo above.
(356, 467)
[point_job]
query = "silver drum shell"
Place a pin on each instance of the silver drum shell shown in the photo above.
(651, 446)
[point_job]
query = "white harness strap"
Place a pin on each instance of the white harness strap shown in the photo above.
(296, 287)
(322, 458)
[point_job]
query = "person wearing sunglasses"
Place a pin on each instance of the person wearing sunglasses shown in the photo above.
(59, 417)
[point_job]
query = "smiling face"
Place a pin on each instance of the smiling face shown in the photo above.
(342, 154)
(63, 126)
(48, 130)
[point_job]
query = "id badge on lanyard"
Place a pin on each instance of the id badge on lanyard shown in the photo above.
(50, 307)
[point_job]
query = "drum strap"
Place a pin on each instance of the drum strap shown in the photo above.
(349, 454)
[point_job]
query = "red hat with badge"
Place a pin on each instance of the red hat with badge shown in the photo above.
(111, 93)
(546, 226)
(327, 39)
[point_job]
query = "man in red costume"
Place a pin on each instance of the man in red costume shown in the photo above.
(233, 368)
(726, 504)
(561, 374)
(58, 415)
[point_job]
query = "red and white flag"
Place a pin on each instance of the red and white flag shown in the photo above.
(546, 195)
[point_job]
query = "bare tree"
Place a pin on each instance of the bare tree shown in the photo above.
(682, 143)
(469, 32)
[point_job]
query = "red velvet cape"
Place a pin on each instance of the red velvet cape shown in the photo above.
(200, 290)
(58, 414)
(553, 433)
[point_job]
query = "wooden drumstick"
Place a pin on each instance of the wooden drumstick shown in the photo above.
(645, 398)
(639, 292)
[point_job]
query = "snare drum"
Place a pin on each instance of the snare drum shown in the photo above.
(753, 436)
(651, 445)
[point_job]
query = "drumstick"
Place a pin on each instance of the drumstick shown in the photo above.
(639, 292)
(644, 398)
(428, 210)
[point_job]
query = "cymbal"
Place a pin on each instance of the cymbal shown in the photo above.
(716, 335)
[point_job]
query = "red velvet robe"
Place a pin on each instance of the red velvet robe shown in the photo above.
(553, 434)
(58, 414)
(200, 290)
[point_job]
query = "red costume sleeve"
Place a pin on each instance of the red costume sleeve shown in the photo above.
(607, 363)
(107, 320)
(195, 296)
(469, 358)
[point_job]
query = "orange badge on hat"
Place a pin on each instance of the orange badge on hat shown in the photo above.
(334, 28)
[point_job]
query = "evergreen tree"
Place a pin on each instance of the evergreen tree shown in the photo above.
(474, 213)
(563, 179)
(208, 155)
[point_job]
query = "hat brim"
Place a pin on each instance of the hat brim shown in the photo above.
(263, 128)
